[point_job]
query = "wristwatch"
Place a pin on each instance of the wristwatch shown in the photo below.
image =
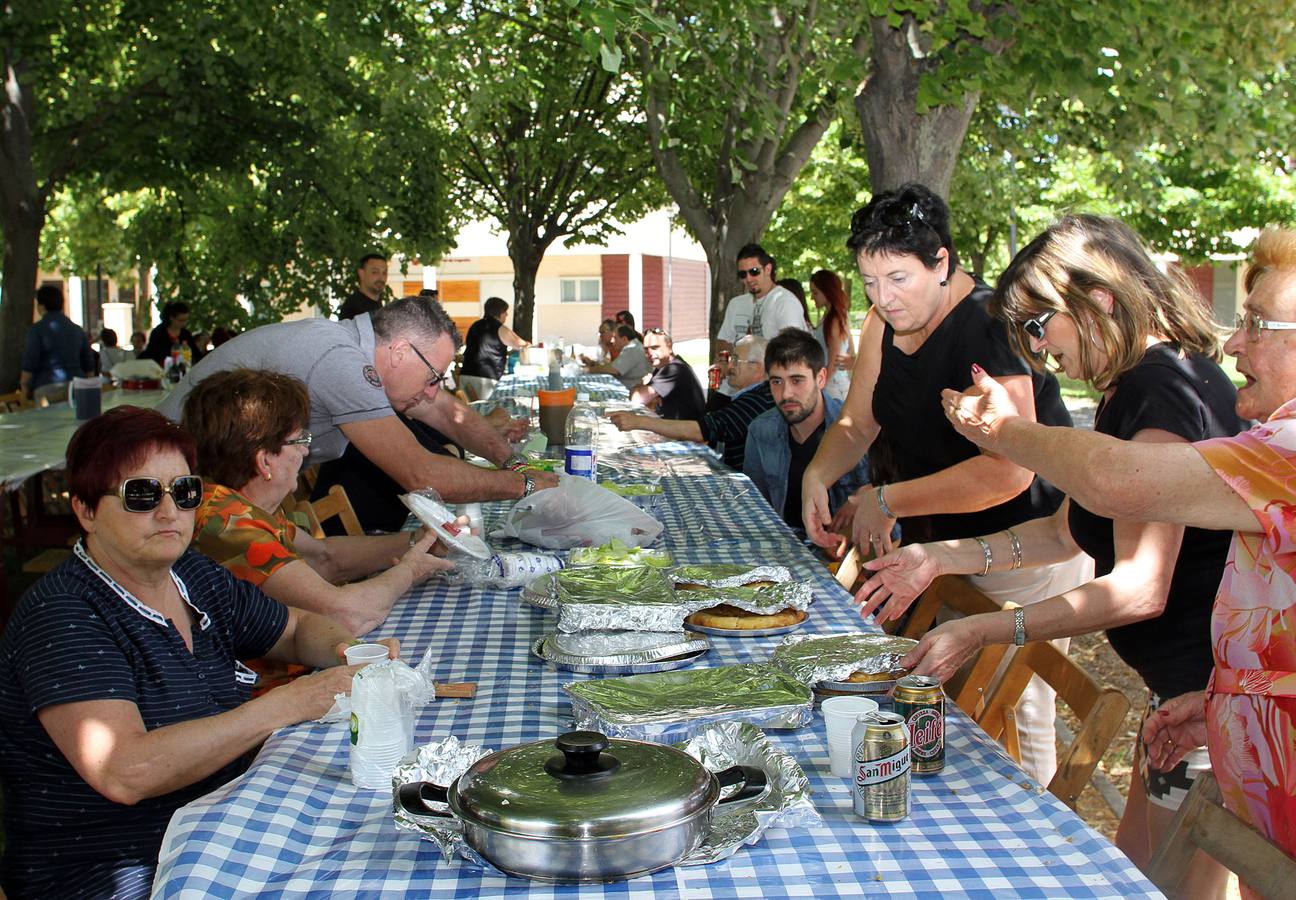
(1019, 627)
(528, 484)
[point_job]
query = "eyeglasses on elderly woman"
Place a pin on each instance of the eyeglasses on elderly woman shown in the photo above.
(143, 494)
(1253, 325)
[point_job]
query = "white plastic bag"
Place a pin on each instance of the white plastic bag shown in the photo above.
(578, 513)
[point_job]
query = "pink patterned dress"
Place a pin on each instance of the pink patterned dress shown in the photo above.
(1251, 700)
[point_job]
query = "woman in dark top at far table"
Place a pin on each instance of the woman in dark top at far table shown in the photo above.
(486, 350)
(172, 331)
(932, 325)
(1087, 293)
(122, 697)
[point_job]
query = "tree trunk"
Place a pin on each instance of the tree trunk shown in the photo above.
(22, 228)
(903, 145)
(526, 253)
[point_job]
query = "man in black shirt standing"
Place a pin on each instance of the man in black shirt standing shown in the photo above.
(672, 388)
(371, 278)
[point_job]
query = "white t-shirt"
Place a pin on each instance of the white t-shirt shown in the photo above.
(775, 311)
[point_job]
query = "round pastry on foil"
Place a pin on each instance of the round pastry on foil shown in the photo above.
(733, 618)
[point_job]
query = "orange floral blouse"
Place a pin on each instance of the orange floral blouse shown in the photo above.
(252, 543)
(1251, 705)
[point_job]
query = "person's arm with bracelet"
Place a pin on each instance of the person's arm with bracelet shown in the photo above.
(1107, 476)
(359, 606)
(106, 741)
(846, 441)
(392, 447)
(675, 429)
(968, 486)
(1135, 589)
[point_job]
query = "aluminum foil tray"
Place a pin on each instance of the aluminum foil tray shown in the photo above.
(542, 592)
(724, 575)
(614, 647)
(606, 607)
(817, 658)
(675, 705)
(612, 669)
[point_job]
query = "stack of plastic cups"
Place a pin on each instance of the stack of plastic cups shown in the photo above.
(840, 715)
(382, 727)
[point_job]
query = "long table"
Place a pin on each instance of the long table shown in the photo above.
(294, 825)
(33, 441)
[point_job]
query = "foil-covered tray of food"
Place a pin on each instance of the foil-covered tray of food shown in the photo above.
(542, 592)
(593, 666)
(620, 652)
(674, 705)
(724, 575)
(849, 662)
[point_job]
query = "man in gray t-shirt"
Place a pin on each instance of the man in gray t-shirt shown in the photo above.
(359, 374)
(631, 365)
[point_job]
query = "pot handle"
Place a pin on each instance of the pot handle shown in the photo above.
(415, 797)
(752, 779)
(584, 756)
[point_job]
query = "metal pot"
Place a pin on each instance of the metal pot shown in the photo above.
(597, 810)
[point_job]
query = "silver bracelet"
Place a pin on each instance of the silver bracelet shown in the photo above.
(1016, 548)
(1019, 626)
(882, 504)
(989, 557)
(413, 537)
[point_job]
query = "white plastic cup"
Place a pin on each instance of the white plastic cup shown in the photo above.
(840, 715)
(363, 654)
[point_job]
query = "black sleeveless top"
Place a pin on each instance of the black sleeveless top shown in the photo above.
(485, 354)
(1191, 398)
(917, 440)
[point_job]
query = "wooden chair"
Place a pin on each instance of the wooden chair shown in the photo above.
(1202, 823)
(848, 570)
(335, 503)
(1100, 711)
(955, 594)
(14, 401)
(306, 479)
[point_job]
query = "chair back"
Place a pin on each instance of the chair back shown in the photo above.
(334, 503)
(14, 401)
(955, 594)
(1100, 711)
(1202, 823)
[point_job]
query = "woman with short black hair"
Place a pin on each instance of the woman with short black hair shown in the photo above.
(486, 350)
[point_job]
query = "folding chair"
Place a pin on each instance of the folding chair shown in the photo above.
(1100, 711)
(14, 401)
(1202, 823)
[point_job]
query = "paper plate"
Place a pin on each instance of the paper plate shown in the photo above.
(436, 516)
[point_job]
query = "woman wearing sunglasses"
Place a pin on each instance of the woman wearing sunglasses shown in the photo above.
(249, 426)
(1087, 293)
(122, 697)
(932, 324)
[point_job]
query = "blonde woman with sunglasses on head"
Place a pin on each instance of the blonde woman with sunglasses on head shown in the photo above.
(1087, 294)
(122, 697)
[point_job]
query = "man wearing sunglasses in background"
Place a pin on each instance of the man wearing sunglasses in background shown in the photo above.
(764, 311)
(362, 372)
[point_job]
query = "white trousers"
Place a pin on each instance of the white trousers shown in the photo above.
(1037, 707)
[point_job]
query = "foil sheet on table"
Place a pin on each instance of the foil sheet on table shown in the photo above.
(786, 804)
(616, 648)
(671, 705)
(726, 575)
(812, 658)
(609, 609)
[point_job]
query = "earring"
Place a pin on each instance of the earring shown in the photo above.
(944, 282)
(269, 477)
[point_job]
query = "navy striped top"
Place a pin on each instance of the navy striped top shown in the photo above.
(72, 638)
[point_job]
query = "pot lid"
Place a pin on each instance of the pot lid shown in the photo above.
(583, 785)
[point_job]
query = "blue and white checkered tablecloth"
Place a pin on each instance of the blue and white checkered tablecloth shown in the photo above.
(294, 825)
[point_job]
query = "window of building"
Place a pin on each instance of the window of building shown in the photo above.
(580, 290)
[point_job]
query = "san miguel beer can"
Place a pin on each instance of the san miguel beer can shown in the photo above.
(921, 701)
(882, 763)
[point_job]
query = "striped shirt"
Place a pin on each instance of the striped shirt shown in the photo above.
(71, 639)
(727, 426)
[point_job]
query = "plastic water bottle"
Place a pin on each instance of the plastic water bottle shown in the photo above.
(582, 439)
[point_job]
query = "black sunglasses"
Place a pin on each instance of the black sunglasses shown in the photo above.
(895, 215)
(437, 377)
(1035, 327)
(753, 272)
(143, 494)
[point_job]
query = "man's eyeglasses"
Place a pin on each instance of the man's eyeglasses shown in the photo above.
(1035, 327)
(750, 273)
(1253, 325)
(303, 441)
(141, 495)
(437, 377)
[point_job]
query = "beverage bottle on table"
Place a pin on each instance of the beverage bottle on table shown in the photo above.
(582, 439)
(555, 371)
